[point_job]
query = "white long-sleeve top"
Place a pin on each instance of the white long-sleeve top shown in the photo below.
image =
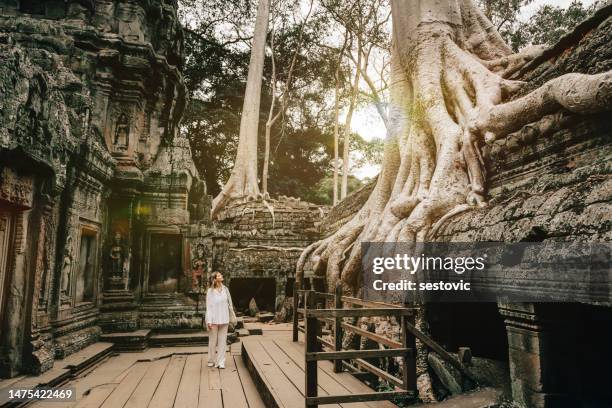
(217, 306)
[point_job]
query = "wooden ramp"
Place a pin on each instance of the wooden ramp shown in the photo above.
(277, 366)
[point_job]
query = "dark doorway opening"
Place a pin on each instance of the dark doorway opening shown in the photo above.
(289, 287)
(262, 289)
(476, 325)
(589, 377)
(7, 236)
(86, 270)
(165, 263)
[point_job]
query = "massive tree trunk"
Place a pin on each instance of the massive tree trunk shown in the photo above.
(448, 96)
(243, 180)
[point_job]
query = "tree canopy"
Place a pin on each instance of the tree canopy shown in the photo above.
(218, 36)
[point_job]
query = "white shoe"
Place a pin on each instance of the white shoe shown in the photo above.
(211, 364)
(221, 366)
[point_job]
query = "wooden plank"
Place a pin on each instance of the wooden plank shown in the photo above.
(96, 396)
(124, 390)
(350, 354)
(338, 326)
(323, 295)
(372, 396)
(372, 336)
(368, 303)
(208, 398)
(296, 303)
(144, 391)
(291, 370)
(189, 387)
(378, 372)
(312, 329)
(235, 348)
(166, 390)
(330, 382)
(378, 311)
(233, 394)
(124, 373)
(282, 389)
(438, 349)
(7, 382)
(344, 379)
(214, 378)
(248, 385)
(409, 372)
(106, 373)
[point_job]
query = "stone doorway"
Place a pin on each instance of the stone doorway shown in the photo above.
(479, 326)
(6, 237)
(262, 289)
(165, 263)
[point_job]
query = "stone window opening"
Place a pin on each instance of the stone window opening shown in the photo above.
(86, 276)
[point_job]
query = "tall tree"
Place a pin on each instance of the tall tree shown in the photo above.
(548, 24)
(337, 90)
(365, 22)
(243, 180)
(274, 115)
(449, 95)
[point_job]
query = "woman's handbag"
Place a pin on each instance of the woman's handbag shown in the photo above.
(233, 320)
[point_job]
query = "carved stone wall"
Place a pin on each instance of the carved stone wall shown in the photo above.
(258, 239)
(91, 95)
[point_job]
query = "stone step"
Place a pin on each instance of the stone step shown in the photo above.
(243, 332)
(63, 370)
(87, 357)
(184, 339)
(265, 317)
(128, 341)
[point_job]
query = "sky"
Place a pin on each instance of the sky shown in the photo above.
(367, 123)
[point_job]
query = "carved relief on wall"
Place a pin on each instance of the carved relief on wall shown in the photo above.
(118, 261)
(131, 19)
(16, 189)
(200, 252)
(117, 256)
(88, 198)
(121, 138)
(66, 275)
(199, 267)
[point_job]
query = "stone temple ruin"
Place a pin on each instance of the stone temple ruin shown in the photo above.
(104, 220)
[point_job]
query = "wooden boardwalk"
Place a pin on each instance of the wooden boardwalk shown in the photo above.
(270, 373)
(277, 366)
(164, 378)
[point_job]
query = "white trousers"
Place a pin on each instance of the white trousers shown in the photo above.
(217, 344)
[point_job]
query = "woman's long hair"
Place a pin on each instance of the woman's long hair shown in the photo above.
(213, 279)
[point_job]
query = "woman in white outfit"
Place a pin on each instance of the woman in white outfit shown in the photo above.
(218, 304)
